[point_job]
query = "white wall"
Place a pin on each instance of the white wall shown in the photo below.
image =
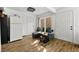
(29, 24)
(76, 25)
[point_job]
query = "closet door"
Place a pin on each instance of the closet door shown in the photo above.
(63, 29)
(15, 28)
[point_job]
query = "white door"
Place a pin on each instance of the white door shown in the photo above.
(64, 25)
(15, 28)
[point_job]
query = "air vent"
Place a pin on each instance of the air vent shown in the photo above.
(30, 9)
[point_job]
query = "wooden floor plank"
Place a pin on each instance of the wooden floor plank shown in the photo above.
(27, 44)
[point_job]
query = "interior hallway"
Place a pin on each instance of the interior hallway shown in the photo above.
(27, 44)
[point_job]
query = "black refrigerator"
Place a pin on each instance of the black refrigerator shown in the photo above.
(5, 29)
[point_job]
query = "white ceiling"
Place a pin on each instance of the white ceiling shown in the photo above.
(58, 8)
(39, 10)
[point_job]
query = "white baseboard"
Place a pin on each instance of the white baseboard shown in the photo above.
(15, 39)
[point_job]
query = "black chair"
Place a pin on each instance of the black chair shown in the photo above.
(36, 35)
(44, 39)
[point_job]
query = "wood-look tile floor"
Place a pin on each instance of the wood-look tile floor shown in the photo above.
(27, 44)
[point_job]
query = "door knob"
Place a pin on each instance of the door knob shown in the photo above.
(70, 27)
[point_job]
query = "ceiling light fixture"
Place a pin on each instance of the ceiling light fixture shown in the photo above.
(30, 9)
